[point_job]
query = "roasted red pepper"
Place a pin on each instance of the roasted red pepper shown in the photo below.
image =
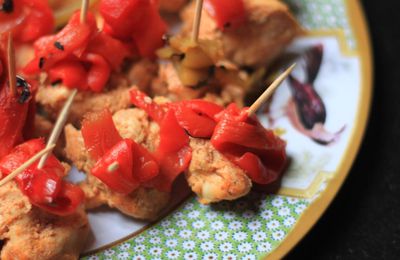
(154, 110)
(45, 187)
(173, 153)
(69, 43)
(27, 19)
(245, 142)
(135, 164)
(78, 56)
(227, 13)
(14, 110)
(148, 37)
(113, 50)
(197, 117)
(135, 20)
(121, 179)
(99, 133)
(145, 165)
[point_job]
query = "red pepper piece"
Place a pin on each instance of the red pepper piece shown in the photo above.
(71, 72)
(120, 180)
(99, 133)
(136, 20)
(68, 200)
(29, 20)
(227, 13)
(41, 186)
(173, 153)
(113, 50)
(39, 21)
(249, 145)
(13, 115)
(123, 15)
(141, 100)
(145, 166)
(148, 38)
(197, 117)
(71, 40)
(98, 73)
(44, 188)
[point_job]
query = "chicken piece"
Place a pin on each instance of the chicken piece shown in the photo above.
(172, 6)
(43, 128)
(212, 176)
(269, 28)
(169, 85)
(53, 98)
(30, 233)
(143, 203)
(140, 73)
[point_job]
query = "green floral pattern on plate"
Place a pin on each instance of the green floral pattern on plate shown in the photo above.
(248, 228)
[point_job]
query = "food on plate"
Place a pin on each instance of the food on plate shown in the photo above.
(29, 232)
(219, 163)
(252, 32)
(104, 132)
(151, 106)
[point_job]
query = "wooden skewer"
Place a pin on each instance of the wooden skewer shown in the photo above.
(55, 134)
(269, 91)
(84, 9)
(11, 65)
(25, 165)
(196, 21)
(113, 167)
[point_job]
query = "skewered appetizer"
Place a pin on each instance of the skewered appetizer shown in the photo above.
(39, 210)
(267, 27)
(146, 108)
(221, 150)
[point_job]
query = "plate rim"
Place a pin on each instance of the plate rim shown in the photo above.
(316, 209)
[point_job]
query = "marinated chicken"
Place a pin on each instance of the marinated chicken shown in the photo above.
(52, 99)
(169, 85)
(28, 232)
(269, 28)
(143, 203)
(210, 175)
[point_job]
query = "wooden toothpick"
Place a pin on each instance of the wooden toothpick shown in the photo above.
(196, 20)
(11, 65)
(269, 91)
(113, 167)
(25, 165)
(55, 134)
(84, 9)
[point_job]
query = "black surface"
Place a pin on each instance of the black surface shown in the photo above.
(363, 222)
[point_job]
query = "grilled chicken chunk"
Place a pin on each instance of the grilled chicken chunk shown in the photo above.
(213, 177)
(30, 233)
(269, 28)
(210, 175)
(52, 99)
(143, 203)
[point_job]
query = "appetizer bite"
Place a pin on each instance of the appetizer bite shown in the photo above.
(251, 32)
(141, 108)
(41, 216)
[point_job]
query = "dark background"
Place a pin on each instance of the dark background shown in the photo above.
(363, 222)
